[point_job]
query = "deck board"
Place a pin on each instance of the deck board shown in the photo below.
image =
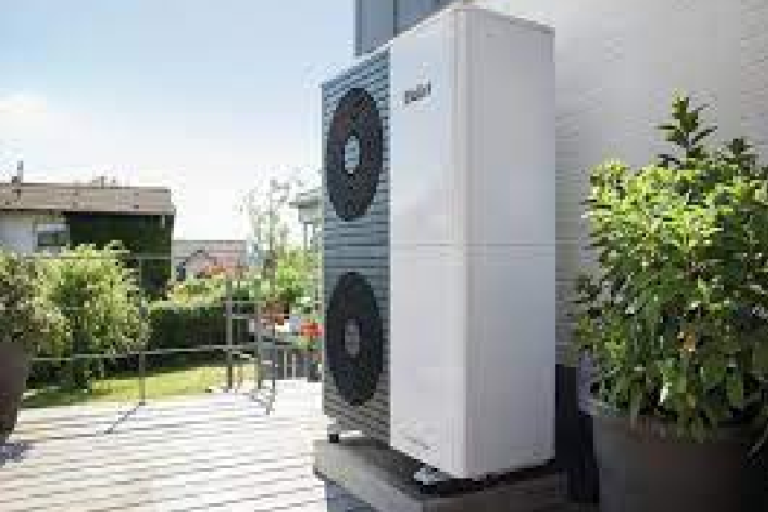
(213, 452)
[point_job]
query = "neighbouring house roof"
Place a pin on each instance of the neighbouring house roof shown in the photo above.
(85, 198)
(227, 254)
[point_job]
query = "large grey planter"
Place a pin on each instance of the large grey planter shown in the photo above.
(14, 368)
(647, 468)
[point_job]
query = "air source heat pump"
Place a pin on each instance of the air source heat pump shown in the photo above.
(439, 244)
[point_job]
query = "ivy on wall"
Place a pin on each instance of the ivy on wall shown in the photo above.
(139, 234)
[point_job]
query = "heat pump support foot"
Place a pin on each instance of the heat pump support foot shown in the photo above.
(428, 476)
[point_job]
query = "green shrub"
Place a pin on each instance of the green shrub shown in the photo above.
(100, 302)
(294, 278)
(26, 317)
(186, 325)
(207, 290)
(138, 234)
(676, 317)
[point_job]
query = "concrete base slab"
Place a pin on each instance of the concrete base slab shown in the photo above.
(383, 478)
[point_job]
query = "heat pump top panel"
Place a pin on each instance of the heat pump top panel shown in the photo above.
(472, 135)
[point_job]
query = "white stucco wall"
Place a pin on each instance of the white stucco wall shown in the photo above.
(618, 67)
(17, 230)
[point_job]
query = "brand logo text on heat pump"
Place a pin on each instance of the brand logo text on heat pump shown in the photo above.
(418, 93)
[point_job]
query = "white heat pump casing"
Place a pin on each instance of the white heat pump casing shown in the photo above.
(472, 243)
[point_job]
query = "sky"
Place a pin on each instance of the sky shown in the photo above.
(207, 97)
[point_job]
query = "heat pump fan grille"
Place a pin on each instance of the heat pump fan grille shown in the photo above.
(354, 339)
(352, 178)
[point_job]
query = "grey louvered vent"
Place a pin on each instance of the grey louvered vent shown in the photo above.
(356, 247)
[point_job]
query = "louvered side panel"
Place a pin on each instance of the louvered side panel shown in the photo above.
(361, 246)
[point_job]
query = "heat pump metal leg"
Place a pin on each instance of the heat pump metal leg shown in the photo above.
(334, 433)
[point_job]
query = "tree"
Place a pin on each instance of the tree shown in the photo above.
(267, 207)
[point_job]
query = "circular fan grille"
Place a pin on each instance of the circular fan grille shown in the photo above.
(354, 339)
(351, 187)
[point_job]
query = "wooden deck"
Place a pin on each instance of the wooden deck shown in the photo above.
(214, 452)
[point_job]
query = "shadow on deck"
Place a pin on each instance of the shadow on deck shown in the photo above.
(214, 452)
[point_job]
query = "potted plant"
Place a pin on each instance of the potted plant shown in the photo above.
(674, 320)
(312, 332)
(25, 324)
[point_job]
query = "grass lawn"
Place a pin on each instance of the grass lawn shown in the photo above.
(160, 383)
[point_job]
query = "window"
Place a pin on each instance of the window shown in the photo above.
(52, 236)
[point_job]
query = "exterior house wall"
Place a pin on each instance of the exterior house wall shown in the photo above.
(379, 20)
(18, 230)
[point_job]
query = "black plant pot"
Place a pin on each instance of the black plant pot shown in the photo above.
(647, 468)
(575, 453)
(14, 368)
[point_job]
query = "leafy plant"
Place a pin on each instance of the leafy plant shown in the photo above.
(177, 325)
(294, 278)
(100, 301)
(196, 290)
(138, 234)
(676, 317)
(25, 316)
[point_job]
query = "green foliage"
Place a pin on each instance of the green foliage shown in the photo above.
(212, 290)
(26, 316)
(294, 278)
(138, 234)
(175, 325)
(198, 290)
(676, 318)
(100, 301)
(163, 381)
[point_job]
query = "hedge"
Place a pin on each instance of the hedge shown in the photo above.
(175, 325)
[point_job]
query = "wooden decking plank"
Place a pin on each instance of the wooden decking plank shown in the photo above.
(178, 430)
(255, 487)
(153, 435)
(135, 427)
(281, 496)
(139, 436)
(162, 487)
(198, 405)
(127, 453)
(83, 480)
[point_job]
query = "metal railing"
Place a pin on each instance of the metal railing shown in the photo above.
(270, 355)
(142, 355)
(272, 361)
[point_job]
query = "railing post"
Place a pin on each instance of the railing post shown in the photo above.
(258, 369)
(229, 334)
(142, 378)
